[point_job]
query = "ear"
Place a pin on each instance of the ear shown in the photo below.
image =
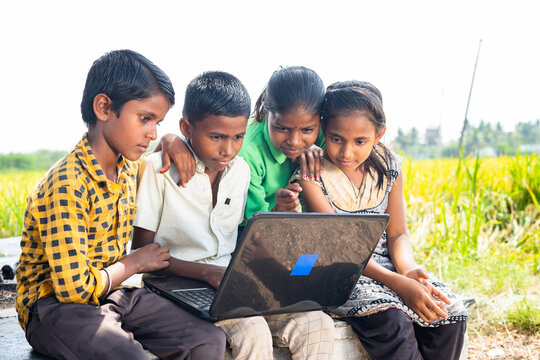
(380, 134)
(185, 127)
(102, 107)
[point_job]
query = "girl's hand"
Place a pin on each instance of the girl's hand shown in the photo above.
(311, 162)
(419, 299)
(287, 198)
(421, 276)
(213, 275)
(149, 258)
(173, 147)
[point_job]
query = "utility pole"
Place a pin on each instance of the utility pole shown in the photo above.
(465, 121)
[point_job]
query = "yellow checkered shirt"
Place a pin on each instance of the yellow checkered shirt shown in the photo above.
(76, 222)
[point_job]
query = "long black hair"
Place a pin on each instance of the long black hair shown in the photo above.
(288, 89)
(344, 98)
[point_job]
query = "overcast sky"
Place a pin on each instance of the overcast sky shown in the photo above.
(420, 54)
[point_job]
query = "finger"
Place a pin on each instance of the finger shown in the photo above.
(301, 159)
(422, 273)
(316, 164)
(182, 176)
(437, 310)
(166, 162)
(440, 295)
(294, 187)
(321, 159)
(310, 165)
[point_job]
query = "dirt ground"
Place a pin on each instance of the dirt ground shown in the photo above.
(502, 344)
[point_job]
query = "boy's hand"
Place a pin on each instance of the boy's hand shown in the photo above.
(287, 198)
(150, 258)
(213, 275)
(417, 297)
(311, 162)
(173, 147)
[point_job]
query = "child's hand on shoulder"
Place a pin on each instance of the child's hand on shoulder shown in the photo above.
(311, 162)
(150, 258)
(287, 198)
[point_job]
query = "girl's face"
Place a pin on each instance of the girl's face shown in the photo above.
(293, 132)
(350, 139)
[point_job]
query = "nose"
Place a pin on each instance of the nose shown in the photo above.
(294, 139)
(152, 132)
(227, 148)
(346, 151)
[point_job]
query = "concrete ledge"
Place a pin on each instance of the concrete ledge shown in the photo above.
(14, 346)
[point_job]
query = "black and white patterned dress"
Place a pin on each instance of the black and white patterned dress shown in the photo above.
(371, 296)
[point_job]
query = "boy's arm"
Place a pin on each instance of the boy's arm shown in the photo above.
(211, 274)
(174, 148)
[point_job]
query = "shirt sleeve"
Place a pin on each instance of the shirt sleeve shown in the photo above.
(256, 194)
(149, 195)
(63, 230)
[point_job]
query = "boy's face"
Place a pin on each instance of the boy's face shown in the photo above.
(130, 131)
(216, 139)
(293, 132)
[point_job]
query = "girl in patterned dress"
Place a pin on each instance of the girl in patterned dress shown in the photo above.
(397, 309)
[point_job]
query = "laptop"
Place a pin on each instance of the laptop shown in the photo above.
(283, 263)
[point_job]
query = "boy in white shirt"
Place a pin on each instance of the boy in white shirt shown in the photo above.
(199, 222)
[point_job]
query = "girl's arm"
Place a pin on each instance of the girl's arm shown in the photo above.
(174, 148)
(211, 274)
(399, 245)
(311, 162)
(313, 198)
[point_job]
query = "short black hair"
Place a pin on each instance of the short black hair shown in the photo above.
(215, 93)
(123, 75)
(291, 88)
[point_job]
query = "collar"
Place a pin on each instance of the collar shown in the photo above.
(89, 162)
(278, 156)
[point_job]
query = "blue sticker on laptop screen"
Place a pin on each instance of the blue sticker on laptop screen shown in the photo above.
(304, 264)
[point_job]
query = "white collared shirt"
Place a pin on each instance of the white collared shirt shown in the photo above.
(184, 219)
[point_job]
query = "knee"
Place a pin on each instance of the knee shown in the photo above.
(253, 332)
(216, 337)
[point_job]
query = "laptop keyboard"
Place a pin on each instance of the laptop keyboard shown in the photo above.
(201, 297)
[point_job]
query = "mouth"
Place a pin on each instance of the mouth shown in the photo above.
(345, 163)
(293, 152)
(223, 162)
(142, 147)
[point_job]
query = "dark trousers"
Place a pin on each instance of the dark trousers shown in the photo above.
(392, 334)
(126, 323)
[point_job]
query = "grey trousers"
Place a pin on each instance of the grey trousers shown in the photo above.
(126, 323)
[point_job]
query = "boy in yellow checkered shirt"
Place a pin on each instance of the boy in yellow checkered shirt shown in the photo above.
(78, 221)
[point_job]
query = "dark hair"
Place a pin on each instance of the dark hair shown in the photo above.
(344, 98)
(215, 93)
(123, 75)
(290, 88)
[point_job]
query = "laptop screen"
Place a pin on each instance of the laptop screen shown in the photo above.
(294, 262)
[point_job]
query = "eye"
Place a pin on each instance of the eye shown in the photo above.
(216, 137)
(238, 137)
(335, 139)
(308, 131)
(280, 129)
(360, 142)
(144, 118)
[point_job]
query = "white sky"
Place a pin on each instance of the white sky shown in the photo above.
(420, 54)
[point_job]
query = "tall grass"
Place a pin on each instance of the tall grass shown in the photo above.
(14, 188)
(476, 224)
